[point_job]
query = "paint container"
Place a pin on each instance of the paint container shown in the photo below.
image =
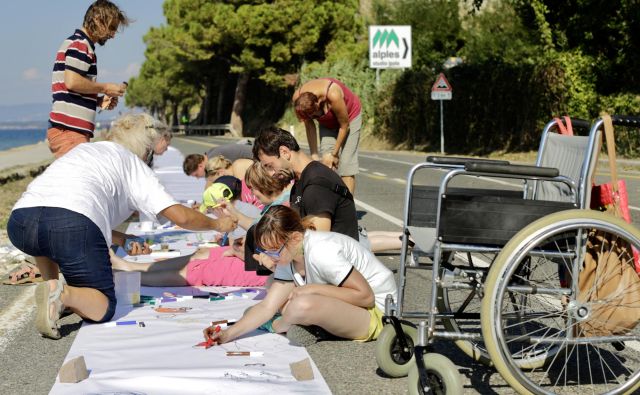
(146, 226)
(127, 287)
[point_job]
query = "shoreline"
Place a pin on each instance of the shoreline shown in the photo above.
(24, 157)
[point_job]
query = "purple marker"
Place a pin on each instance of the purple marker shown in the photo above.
(168, 300)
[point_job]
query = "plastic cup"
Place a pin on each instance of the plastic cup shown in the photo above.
(127, 287)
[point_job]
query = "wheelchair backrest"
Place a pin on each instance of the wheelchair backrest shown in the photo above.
(574, 156)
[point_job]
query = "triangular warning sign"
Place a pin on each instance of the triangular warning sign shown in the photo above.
(441, 84)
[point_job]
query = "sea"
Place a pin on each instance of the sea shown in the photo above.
(11, 138)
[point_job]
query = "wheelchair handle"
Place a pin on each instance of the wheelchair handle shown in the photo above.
(625, 120)
(523, 170)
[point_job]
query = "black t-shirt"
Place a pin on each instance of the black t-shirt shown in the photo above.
(313, 199)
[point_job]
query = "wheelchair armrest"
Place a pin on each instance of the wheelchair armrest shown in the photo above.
(453, 160)
(523, 170)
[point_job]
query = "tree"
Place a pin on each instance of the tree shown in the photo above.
(165, 83)
(267, 40)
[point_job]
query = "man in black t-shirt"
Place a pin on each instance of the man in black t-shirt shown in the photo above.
(318, 193)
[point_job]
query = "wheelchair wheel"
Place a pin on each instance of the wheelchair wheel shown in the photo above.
(442, 374)
(389, 355)
(534, 309)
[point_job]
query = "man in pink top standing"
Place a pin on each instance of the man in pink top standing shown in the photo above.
(338, 112)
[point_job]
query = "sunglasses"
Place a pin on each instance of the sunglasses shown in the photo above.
(271, 253)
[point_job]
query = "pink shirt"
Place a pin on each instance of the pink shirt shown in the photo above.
(352, 101)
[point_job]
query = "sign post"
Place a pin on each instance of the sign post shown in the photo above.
(441, 90)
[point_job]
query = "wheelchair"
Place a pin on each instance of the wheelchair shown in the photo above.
(506, 267)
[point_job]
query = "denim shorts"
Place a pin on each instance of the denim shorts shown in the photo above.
(69, 239)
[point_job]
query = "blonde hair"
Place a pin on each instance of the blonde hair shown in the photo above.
(216, 163)
(136, 132)
(257, 177)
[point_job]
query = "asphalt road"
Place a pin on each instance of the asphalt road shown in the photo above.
(29, 363)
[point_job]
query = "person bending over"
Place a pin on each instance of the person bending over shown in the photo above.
(65, 219)
(199, 166)
(338, 112)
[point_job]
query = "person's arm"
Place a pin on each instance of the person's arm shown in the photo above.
(321, 222)
(77, 83)
(312, 138)
(194, 220)
(137, 248)
(259, 314)
(339, 108)
(228, 209)
(354, 290)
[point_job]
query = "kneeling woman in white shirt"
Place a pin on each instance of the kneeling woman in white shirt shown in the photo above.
(321, 278)
(66, 217)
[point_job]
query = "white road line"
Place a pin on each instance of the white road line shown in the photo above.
(16, 316)
(387, 160)
(363, 169)
(379, 213)
(379, 174)
(400, 180)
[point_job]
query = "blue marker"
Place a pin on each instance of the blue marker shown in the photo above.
(121, 323)
(225, 239)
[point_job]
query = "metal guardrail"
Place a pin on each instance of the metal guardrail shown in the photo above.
(206, 130)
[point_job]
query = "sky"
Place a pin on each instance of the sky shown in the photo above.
(32, 30)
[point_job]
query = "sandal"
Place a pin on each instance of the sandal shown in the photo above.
(45, 324)
(26, 274)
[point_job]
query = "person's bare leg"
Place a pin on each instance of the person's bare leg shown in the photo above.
(173, 264)
(48, 268)
(333, 315)
(86, 302)
(350, 182)
(165, 278)
(384, 241)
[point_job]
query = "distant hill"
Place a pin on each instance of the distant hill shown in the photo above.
(25, 113)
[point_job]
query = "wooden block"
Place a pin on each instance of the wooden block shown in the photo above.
(74, 371)
(301, 370)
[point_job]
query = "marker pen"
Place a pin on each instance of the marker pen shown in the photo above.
(121, 323)
(245, 353)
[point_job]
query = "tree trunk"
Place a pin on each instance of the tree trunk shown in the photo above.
(174, 116)
(238, 105)
(221, 98)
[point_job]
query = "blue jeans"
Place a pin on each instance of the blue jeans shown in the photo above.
(69, 239)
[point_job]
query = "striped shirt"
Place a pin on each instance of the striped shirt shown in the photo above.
(73, 110)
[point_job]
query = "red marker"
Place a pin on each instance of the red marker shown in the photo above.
(210, 341)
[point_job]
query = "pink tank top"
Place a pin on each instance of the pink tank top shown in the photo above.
(352, 101)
